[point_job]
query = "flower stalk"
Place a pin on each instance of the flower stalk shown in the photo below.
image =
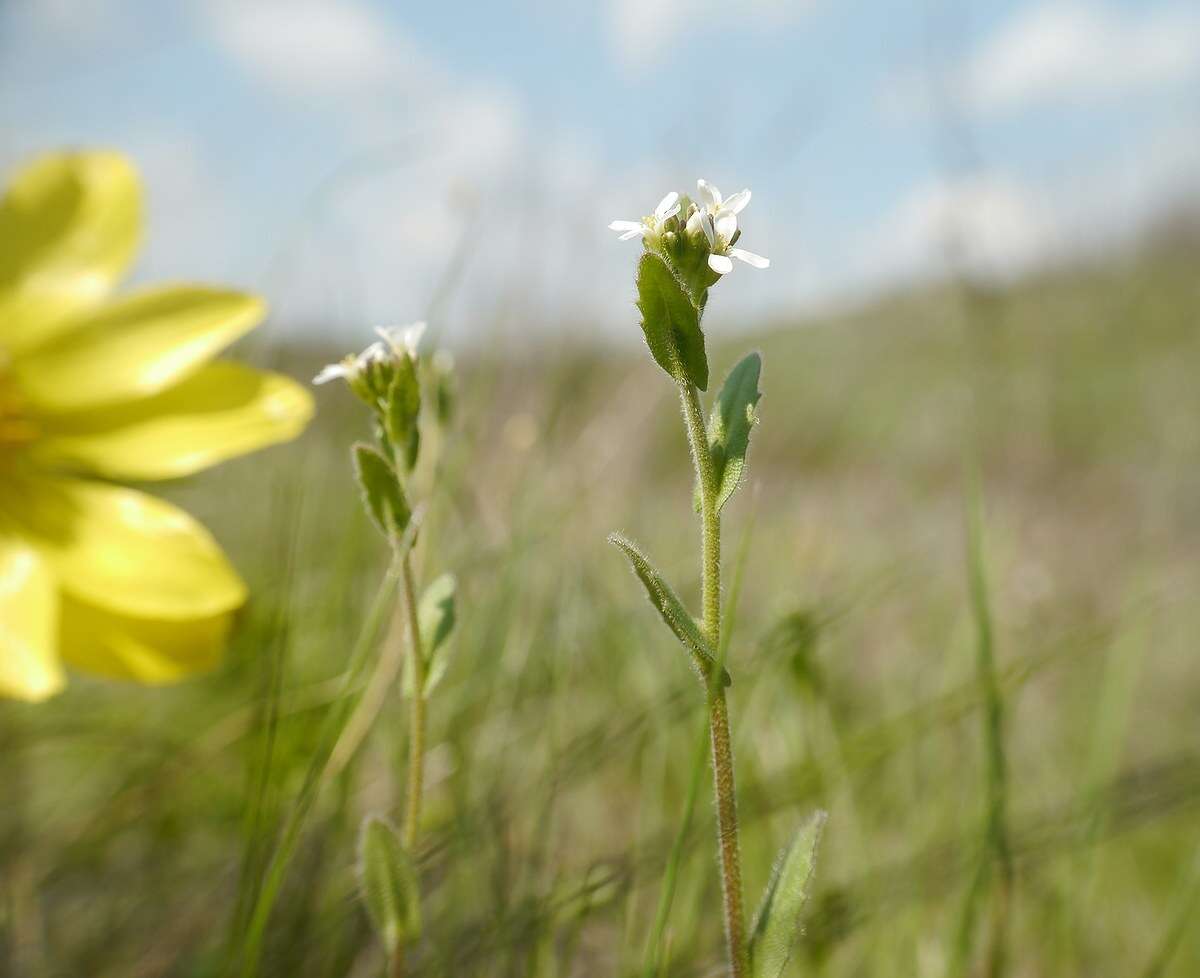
(724, 786)
(416, 713)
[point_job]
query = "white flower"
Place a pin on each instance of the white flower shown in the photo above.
(667, 208)
(351, 367)
(403, 339)
(714, 203)
(718, 220)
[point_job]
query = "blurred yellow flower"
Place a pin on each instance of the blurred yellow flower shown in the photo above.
(95, 575)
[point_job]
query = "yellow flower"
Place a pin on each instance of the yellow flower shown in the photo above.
(92, 574)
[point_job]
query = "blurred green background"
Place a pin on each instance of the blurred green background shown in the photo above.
(562, 740)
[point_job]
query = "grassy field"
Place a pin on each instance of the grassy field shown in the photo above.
(138, 823)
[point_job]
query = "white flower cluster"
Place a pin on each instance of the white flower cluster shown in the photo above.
(717, 219)
(393, 341)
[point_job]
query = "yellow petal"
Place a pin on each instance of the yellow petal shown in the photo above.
(144, 650)
(223, 410)
(134, 347)
(70, 224)
(123, 550)
(29, 667)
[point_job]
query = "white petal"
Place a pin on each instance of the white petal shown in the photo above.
(750, 258)
(694, 223)
(709, 192)
(667, 207)
(329, 372)
(707, 224)
(624, 225)
(411, 337)
(633, 233)
(726, 224)
(737, 203)
(720, 264)
(375, 352)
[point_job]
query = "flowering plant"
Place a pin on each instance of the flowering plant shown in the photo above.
(688, 247)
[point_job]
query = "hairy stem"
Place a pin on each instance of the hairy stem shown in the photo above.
(416, 739)
(718, 711)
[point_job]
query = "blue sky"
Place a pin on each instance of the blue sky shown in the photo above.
(336, 155)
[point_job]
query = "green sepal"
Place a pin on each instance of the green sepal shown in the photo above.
(402, 408)
(437, 613)
(777, 923)
(382, 492)
(671, 610)
(733, 417)
(388, 882)
(671, 321)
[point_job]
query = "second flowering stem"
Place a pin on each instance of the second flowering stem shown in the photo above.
(416, 738)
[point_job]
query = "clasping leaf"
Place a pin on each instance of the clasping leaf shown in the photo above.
(381, 490)
(729, 427)
(388, 880)
(436, 615)
(671, 322)
(671, 609)
(777, 924)
(402, 408)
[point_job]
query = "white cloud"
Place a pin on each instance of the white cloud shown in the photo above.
(315, 46)
(989, 224)
(996, 225)
(419, 148)
(641, 29)
(1067, 51)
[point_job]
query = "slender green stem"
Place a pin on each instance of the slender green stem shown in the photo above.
(718, 711)
(416, 739)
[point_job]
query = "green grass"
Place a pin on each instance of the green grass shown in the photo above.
(138, 824)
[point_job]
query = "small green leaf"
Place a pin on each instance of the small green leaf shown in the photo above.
(402, 408)
(777, 924)
(388, 881)
(670, 321)
(381, 490)
(729, 427)
(436, 615)
(670, 608)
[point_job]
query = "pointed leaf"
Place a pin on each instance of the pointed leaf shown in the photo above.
(436, 616)
(401, 410)
(670, 608)
(381, 490)
(777, 924)
(388, 882)
(670, 321)
(729, 427)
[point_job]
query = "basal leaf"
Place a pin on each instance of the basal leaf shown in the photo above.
(670, 321)
(670, 608)
(388, 881)
(729, 427)
(381, 490)
(777, 924)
